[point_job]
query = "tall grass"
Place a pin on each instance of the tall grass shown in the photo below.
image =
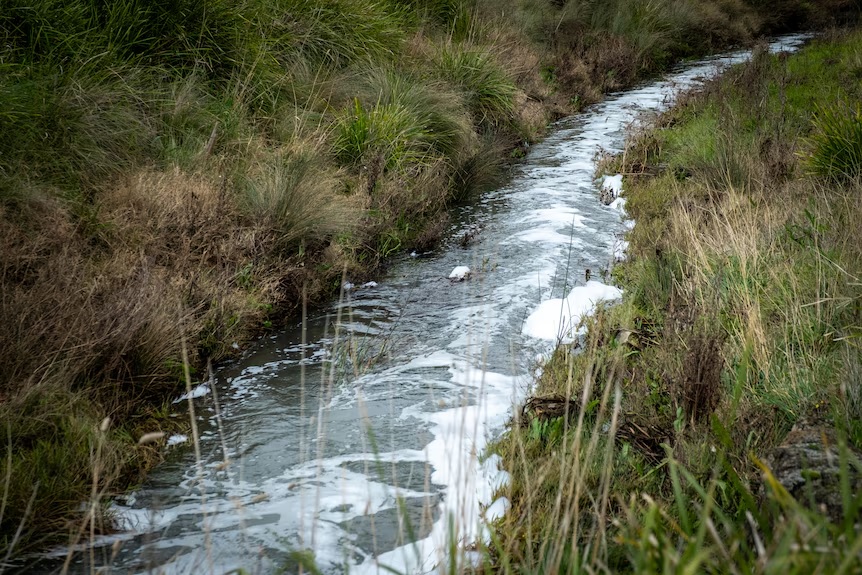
(184, 34)
(294, 194)
(487, 88)
(406, 124)
(729, 352)
(341, 32)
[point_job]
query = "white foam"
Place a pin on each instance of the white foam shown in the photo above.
(618, 204)
(199, 391)
(177, 439)
(613, 184)
(497, 509)
(620, 250)
(546, 235)
(559, 319)
(459, 273)
(558, 214)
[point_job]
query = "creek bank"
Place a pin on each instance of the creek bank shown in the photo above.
(723, 341)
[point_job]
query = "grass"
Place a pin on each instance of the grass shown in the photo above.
(185, 171)
(487, 89)
(738, 335)
(837, 144)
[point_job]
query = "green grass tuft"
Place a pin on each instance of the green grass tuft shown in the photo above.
(837, 143)
(487, 88)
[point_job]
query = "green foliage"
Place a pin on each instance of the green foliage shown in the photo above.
(837, 143)
(386, 133)
(56, 447)
(340, 32)
(454, 17)
(436, 109)
(487, 88)
(740, 318)
(409, 123)
(70, 131)
(186, 33)
(649, 26)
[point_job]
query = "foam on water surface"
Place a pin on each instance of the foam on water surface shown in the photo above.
(559, 319)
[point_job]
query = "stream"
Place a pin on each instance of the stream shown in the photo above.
(359, 438)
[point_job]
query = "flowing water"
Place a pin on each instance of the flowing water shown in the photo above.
(360, 438)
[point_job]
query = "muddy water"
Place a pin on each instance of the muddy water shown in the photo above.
(359, 438)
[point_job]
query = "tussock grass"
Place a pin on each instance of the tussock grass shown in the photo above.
(837, 144)
(388, 134)
(487, 88)
(293, 194)
(737, 335)
(342, 32)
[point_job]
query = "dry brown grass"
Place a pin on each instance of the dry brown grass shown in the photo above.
(95, 309)
(93, 319)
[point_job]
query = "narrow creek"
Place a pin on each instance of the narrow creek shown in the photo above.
(360, 437)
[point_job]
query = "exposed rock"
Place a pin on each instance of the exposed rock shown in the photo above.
(606, 196)
(807, 465)
(470, 235)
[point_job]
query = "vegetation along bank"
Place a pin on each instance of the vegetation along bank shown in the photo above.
(711, 422)
(176, 177)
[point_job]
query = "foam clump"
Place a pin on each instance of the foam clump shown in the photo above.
(460, 273)
(177, 439)
(611, 188)
(199, 391)
(559, 318)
